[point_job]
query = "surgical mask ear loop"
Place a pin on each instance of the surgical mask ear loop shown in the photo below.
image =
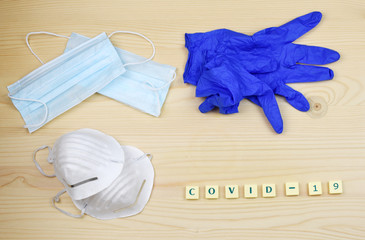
(57, 199)
(143, 36)
(35, 33)
(155, 90)
(34, 100)
(49, 159)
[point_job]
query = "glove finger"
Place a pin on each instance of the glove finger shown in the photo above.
(305, 73)
(212, 102)
(295, 98)
(311, 54)
(300, 26)
(206, 106)
(290, 31)
(271, 110)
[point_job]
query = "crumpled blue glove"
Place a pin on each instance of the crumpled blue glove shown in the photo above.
(269, 54)
(225, 83)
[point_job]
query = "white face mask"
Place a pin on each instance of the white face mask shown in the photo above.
(105, 180)
(86, 161)
(127, 195)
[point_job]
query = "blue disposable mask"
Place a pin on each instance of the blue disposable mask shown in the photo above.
(65, 81)
(143, 86)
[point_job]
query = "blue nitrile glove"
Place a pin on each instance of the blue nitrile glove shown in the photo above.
(204, 46)
(225, 83)
(268, 53)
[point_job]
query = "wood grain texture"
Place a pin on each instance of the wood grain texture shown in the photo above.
(191, 148)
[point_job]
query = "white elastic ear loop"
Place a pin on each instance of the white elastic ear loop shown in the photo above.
(34, 33)
(151, 87)
(57, 199)
(49, 159)
(163, 86)
(33, 100)
(143, 36)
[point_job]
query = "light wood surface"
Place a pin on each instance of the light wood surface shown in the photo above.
(191, 148)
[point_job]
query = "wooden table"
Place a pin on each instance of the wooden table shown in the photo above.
(188, 147)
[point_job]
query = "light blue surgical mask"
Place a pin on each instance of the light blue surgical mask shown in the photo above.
(143, 86)
(65, 81)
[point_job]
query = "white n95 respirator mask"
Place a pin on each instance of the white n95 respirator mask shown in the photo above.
(126, 196)
(85, 161)
(104, 180)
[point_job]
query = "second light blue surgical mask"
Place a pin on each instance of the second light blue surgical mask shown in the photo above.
(65, 81)
(143, 86)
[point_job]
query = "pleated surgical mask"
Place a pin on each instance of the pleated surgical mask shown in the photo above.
(126, 196)
(85, 161)
(143, 86)
(67, 80)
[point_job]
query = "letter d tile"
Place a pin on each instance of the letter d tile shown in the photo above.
(268, 190)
